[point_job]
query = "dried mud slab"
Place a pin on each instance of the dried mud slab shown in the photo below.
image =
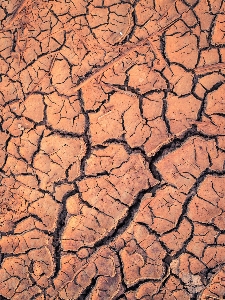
(112, 149)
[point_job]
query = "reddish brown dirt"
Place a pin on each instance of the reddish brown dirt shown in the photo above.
(112, 149)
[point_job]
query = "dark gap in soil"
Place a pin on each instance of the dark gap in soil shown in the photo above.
(86, 135)
(137, 285)
(121, 272)
(1, 258)
(171, 146)
(59, 229)
(125, 222)
(88, 289)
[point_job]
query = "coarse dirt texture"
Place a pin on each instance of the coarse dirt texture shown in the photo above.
(112, 149)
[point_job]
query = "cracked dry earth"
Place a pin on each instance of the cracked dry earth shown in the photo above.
(112, 149)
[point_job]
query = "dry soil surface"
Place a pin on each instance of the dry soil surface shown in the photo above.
(112, 149)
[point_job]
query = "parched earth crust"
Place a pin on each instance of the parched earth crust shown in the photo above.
(112, 149)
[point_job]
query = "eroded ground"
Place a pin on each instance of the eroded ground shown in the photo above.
(112, 149)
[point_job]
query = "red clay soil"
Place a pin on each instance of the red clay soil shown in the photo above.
(112, 149)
